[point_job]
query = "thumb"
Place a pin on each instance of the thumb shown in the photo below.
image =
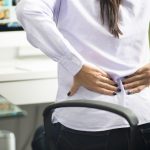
(74, 88)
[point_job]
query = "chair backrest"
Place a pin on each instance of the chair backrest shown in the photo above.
(114, 108)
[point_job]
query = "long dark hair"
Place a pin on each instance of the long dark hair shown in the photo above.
(110, 10)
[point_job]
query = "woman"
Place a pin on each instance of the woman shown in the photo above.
(102, 51)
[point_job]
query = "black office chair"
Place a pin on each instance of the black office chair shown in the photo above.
(114, 108)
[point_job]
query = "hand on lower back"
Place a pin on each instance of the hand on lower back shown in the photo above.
(95, 80)
(138, 81)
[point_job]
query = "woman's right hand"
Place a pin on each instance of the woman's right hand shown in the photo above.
(95, 80)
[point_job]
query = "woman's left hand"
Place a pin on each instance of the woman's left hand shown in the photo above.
(136, 82)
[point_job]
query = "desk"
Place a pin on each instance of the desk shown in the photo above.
(31, 84)
(29, 81)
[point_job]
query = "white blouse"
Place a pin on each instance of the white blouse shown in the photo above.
(71, 32)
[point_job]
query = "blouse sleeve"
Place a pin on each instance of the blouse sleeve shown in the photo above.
(37, 19)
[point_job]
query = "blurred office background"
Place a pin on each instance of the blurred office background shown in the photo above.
(28, 78)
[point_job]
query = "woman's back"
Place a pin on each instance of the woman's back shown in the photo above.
(72, 33)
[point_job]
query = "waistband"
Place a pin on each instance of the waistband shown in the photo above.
(143, 128)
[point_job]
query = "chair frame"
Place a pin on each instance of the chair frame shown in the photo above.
(110, 107)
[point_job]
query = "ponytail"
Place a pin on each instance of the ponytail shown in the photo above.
(111, 9)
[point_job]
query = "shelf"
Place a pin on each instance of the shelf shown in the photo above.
(8, 109)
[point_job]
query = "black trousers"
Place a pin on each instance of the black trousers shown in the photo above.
(68, 139)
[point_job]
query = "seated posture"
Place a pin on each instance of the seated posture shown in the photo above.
(102, 50)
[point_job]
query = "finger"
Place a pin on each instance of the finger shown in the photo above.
(135, 84)
(134, 78)
(143, 69)
(107, 86)
(104, 91)
(74, 88)
(103, 73)
(107, 80)
(136, 90)
(97, 71)
(139, 71)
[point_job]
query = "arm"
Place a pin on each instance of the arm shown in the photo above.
(37, 18)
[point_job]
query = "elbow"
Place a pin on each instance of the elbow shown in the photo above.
(24, 9)
(32, 10)
(21, 10)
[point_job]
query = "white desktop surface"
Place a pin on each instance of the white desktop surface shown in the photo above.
(28, 81)
(28, 69)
